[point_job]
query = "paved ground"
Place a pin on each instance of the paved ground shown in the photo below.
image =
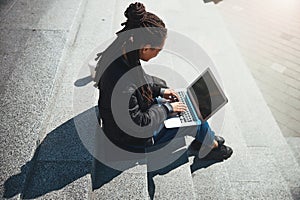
(267, 34)
(46, 93)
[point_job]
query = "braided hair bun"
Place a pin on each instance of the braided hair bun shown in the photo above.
(135, 14)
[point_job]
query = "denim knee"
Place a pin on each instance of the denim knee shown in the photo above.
(204, 128)
(204, 133)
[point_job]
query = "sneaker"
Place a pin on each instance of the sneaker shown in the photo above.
(220, 140)
(222, 152)
(196, 145)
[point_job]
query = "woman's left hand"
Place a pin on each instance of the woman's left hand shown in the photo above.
(171, 95)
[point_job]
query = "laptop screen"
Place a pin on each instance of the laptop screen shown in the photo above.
(208, 94)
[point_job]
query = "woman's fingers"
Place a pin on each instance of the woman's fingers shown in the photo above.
(178, 107)
(169, 94)
(175, 94)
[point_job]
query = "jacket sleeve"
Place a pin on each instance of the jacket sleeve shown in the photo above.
(157, 84)
(152, 117)
(156, 91)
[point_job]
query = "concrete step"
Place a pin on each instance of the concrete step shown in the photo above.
(61, 166)
(169, 175)
(109, 183)
(59, 180)
(116, 173)
(33, 41)
(293, 142)
(251, 172)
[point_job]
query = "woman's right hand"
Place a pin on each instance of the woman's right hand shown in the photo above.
(178, 107)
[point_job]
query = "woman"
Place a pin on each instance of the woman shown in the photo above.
(142, 38)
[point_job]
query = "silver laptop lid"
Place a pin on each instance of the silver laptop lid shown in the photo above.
(206, 95)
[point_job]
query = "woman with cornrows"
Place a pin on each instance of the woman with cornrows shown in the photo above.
(132, 114)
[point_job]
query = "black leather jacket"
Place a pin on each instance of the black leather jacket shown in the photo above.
(129, 120)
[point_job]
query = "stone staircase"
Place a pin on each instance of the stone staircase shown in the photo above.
(261, 167)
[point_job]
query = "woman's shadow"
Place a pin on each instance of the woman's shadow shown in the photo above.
(59, 160)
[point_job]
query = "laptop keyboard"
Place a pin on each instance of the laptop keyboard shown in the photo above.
(187, 115)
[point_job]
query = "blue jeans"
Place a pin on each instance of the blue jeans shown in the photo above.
(201, 133)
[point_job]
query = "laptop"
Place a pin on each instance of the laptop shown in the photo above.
(203, 97)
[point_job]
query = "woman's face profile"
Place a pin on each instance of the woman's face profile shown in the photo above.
(148, 52)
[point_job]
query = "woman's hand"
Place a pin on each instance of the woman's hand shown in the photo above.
(171, 95)
(178, 107)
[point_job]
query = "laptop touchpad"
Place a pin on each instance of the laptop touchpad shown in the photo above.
(173, 122)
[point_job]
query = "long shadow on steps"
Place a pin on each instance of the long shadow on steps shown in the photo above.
(61, 159)
(58, 161)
